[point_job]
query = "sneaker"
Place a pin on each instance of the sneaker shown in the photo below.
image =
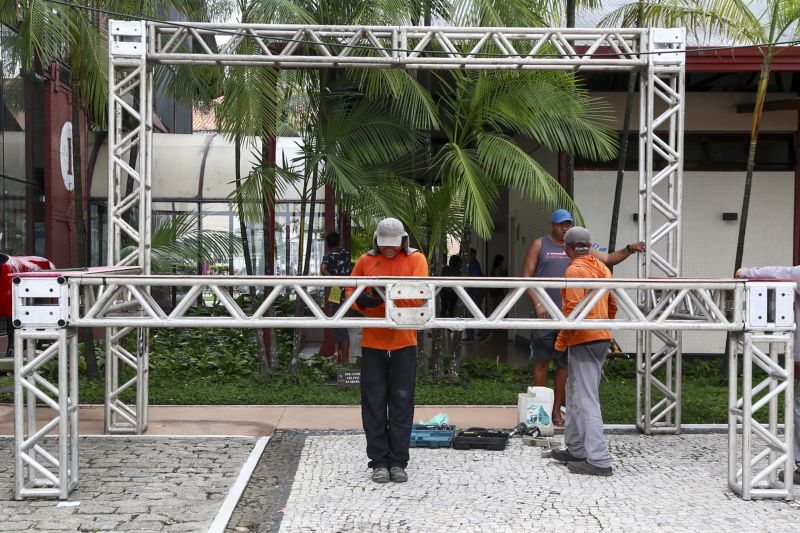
(380, 474)
(796, 476)
(398, 475)
(563, 456)
(588, 469)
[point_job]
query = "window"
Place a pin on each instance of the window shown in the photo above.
(715, 152)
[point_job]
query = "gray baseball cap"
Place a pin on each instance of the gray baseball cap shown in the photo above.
(390, 232)
(578, 238)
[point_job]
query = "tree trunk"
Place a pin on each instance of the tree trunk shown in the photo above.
(751, 157)
(264, 354)
(298, 307)
(454, 369)
(570, 159)
(623, 154)
(248, 260)
(87, 335)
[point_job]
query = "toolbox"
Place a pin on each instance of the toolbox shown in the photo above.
(432, 436)
(480, 438)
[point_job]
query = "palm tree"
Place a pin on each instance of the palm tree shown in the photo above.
(480, 110)
(177, 239)
(49, 32)
(767, 26)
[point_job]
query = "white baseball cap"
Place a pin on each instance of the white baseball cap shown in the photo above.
(390, 232)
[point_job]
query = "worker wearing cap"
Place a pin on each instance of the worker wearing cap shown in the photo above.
(389, 356)
(586, 451)
(547, 258)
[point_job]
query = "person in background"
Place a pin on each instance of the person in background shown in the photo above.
(389, 356)
(495, 295)
(448, 296)
(787, 273)
(586, 451)
(337, 263)
(547, 258)
(473, 271)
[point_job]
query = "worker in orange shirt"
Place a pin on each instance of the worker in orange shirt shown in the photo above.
(586, 451)
(388, 356)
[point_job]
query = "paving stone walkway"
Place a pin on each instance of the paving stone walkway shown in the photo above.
(661, 483)
(132, 484)
(318, 481)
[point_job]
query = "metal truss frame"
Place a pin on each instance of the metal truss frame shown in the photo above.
(44, 466)
(661, 123)
(52, 308)
(755, 456)
(134, 47)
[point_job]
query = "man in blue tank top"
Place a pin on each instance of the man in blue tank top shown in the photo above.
(547, 258)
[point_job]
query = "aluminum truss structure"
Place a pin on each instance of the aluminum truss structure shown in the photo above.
(134, 48)
(755, 456)
(45, 466)
(50, 309)
(658, 353)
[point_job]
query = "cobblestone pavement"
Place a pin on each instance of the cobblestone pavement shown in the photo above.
(260, 507)
(132, 484)
(660, 483)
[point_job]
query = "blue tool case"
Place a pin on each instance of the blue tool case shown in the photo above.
(432, 436)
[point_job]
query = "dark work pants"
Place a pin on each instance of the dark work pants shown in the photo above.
(388, 379)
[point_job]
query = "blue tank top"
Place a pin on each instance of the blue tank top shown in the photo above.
(551, 263)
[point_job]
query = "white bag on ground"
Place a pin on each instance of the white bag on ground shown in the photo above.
(535, 408)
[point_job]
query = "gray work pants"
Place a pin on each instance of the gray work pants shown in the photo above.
(583, 433)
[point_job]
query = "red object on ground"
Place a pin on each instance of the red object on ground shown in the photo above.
(10, 265)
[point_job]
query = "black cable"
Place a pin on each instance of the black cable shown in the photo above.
(698, 51)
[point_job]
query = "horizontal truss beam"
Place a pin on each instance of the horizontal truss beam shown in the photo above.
(314, 46)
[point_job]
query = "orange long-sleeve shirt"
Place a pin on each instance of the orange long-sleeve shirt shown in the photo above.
(414, 264)
(585, 266)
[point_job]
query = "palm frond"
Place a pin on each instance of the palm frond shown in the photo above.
(280, 12)
(89, 65)
(250, 104)
(461, 171)
(549, 107)
(493, 13)
(177, 239)
(507, 163)
(727, 18)
(366, 134)
(406, 98)
(259, 188)
(45, 29)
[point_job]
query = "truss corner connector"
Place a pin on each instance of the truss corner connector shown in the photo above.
(40, 302)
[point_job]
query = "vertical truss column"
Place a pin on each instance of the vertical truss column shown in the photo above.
(130, 126)
(762, 448)
(44, 466)
(661, 124)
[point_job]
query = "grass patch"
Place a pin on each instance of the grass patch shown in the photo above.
(486, 383)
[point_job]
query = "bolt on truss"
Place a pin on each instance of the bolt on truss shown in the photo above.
(134, 47)
(118, 298)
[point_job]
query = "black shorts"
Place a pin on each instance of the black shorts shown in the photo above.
(339, 334)
(543, 342)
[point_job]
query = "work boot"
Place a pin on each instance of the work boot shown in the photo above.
(398, 475)
(380, 474)
(588, 469)
(563, 456)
